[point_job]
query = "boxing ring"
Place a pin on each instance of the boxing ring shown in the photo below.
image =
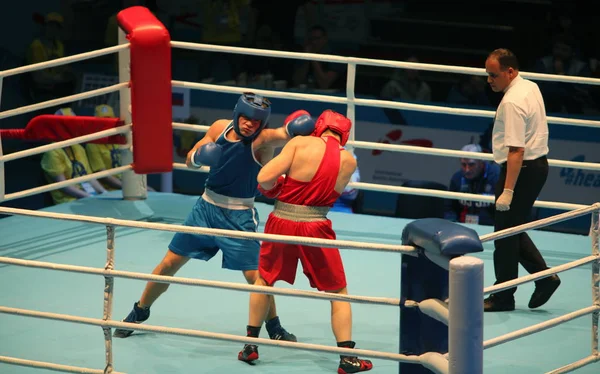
(130, 230)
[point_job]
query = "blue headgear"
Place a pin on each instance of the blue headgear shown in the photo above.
(254, 107)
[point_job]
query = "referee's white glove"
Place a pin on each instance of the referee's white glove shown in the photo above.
(503, 202)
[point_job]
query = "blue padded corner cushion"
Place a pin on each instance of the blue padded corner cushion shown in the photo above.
(441, 237)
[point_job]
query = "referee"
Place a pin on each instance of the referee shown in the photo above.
(520, 146)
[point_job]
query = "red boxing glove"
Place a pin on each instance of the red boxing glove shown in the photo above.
(275, 191)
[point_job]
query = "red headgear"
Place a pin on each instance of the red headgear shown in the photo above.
(336, 122)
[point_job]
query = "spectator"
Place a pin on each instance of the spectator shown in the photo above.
(67, 163)
(559, 96)
(262, 71)
(317, 74)
(475, 177)
(221, 25)
(280, 17)
(406, 85)
(469, 90)
(105, 156)
(52, 82)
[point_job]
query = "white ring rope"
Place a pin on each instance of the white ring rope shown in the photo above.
(454, 195)
(540, 327)
(200, 282)
(327, 243)
(51, 366)
(576, 365)
(66, 183)
(422, 359)
(63, 100)
(65, 143)
(434, 308)
(368, 102)
(540, 223)
(462, 154)
(423, 192)
(539, 275)
(372, 62)
(320, 242)
(421, 150)
(188, 127)
(63, 60)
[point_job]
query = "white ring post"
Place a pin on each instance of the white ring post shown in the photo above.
(465, 328)
(351, 110)
(108, 297)
(595, 236)
(134, 185)
(2, 179)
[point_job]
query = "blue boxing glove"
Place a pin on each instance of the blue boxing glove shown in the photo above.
(208, 154)
(299, 123)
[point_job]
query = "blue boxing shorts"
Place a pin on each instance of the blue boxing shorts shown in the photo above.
(238, 254)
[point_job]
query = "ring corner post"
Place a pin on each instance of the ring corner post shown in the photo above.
(465, 327)
(148, 70)
(442, 246)
(595, 238)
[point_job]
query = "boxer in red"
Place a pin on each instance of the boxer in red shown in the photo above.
(317, 170)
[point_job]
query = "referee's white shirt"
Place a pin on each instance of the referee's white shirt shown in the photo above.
(520, 121)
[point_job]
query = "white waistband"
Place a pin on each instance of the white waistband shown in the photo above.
(233, 203)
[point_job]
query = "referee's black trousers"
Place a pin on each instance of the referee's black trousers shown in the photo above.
(515, 249)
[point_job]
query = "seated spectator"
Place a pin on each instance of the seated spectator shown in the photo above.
(559, 96)
(280, 17)
(52, 82)
(469, 90)
(105, 156)
(68, 163)
(475, 177)
(263, 71)
(406, 85)
(222, 25)
(318, 74)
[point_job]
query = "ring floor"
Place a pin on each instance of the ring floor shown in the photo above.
(369, 274)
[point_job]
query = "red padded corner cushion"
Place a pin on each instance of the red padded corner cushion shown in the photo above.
(151, 102)
(53, 128)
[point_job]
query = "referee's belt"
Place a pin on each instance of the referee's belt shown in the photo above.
(300, 213)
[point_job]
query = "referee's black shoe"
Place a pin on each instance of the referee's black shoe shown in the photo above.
(543, 291)
(497, 304)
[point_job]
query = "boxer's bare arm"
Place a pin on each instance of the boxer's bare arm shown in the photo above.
(211, 136)
(279, 165)
(347, 168)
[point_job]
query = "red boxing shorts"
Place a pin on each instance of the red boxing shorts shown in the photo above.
(322, 266)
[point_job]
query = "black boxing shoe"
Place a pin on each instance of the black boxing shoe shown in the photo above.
(248, 354)
(137, 315)
(352, 364)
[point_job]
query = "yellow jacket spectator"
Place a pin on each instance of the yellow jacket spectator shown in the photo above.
(57, 80)
(221, 21)
(68, 163)
(105, 156)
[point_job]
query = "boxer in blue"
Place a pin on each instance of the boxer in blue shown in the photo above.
(235, 151)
